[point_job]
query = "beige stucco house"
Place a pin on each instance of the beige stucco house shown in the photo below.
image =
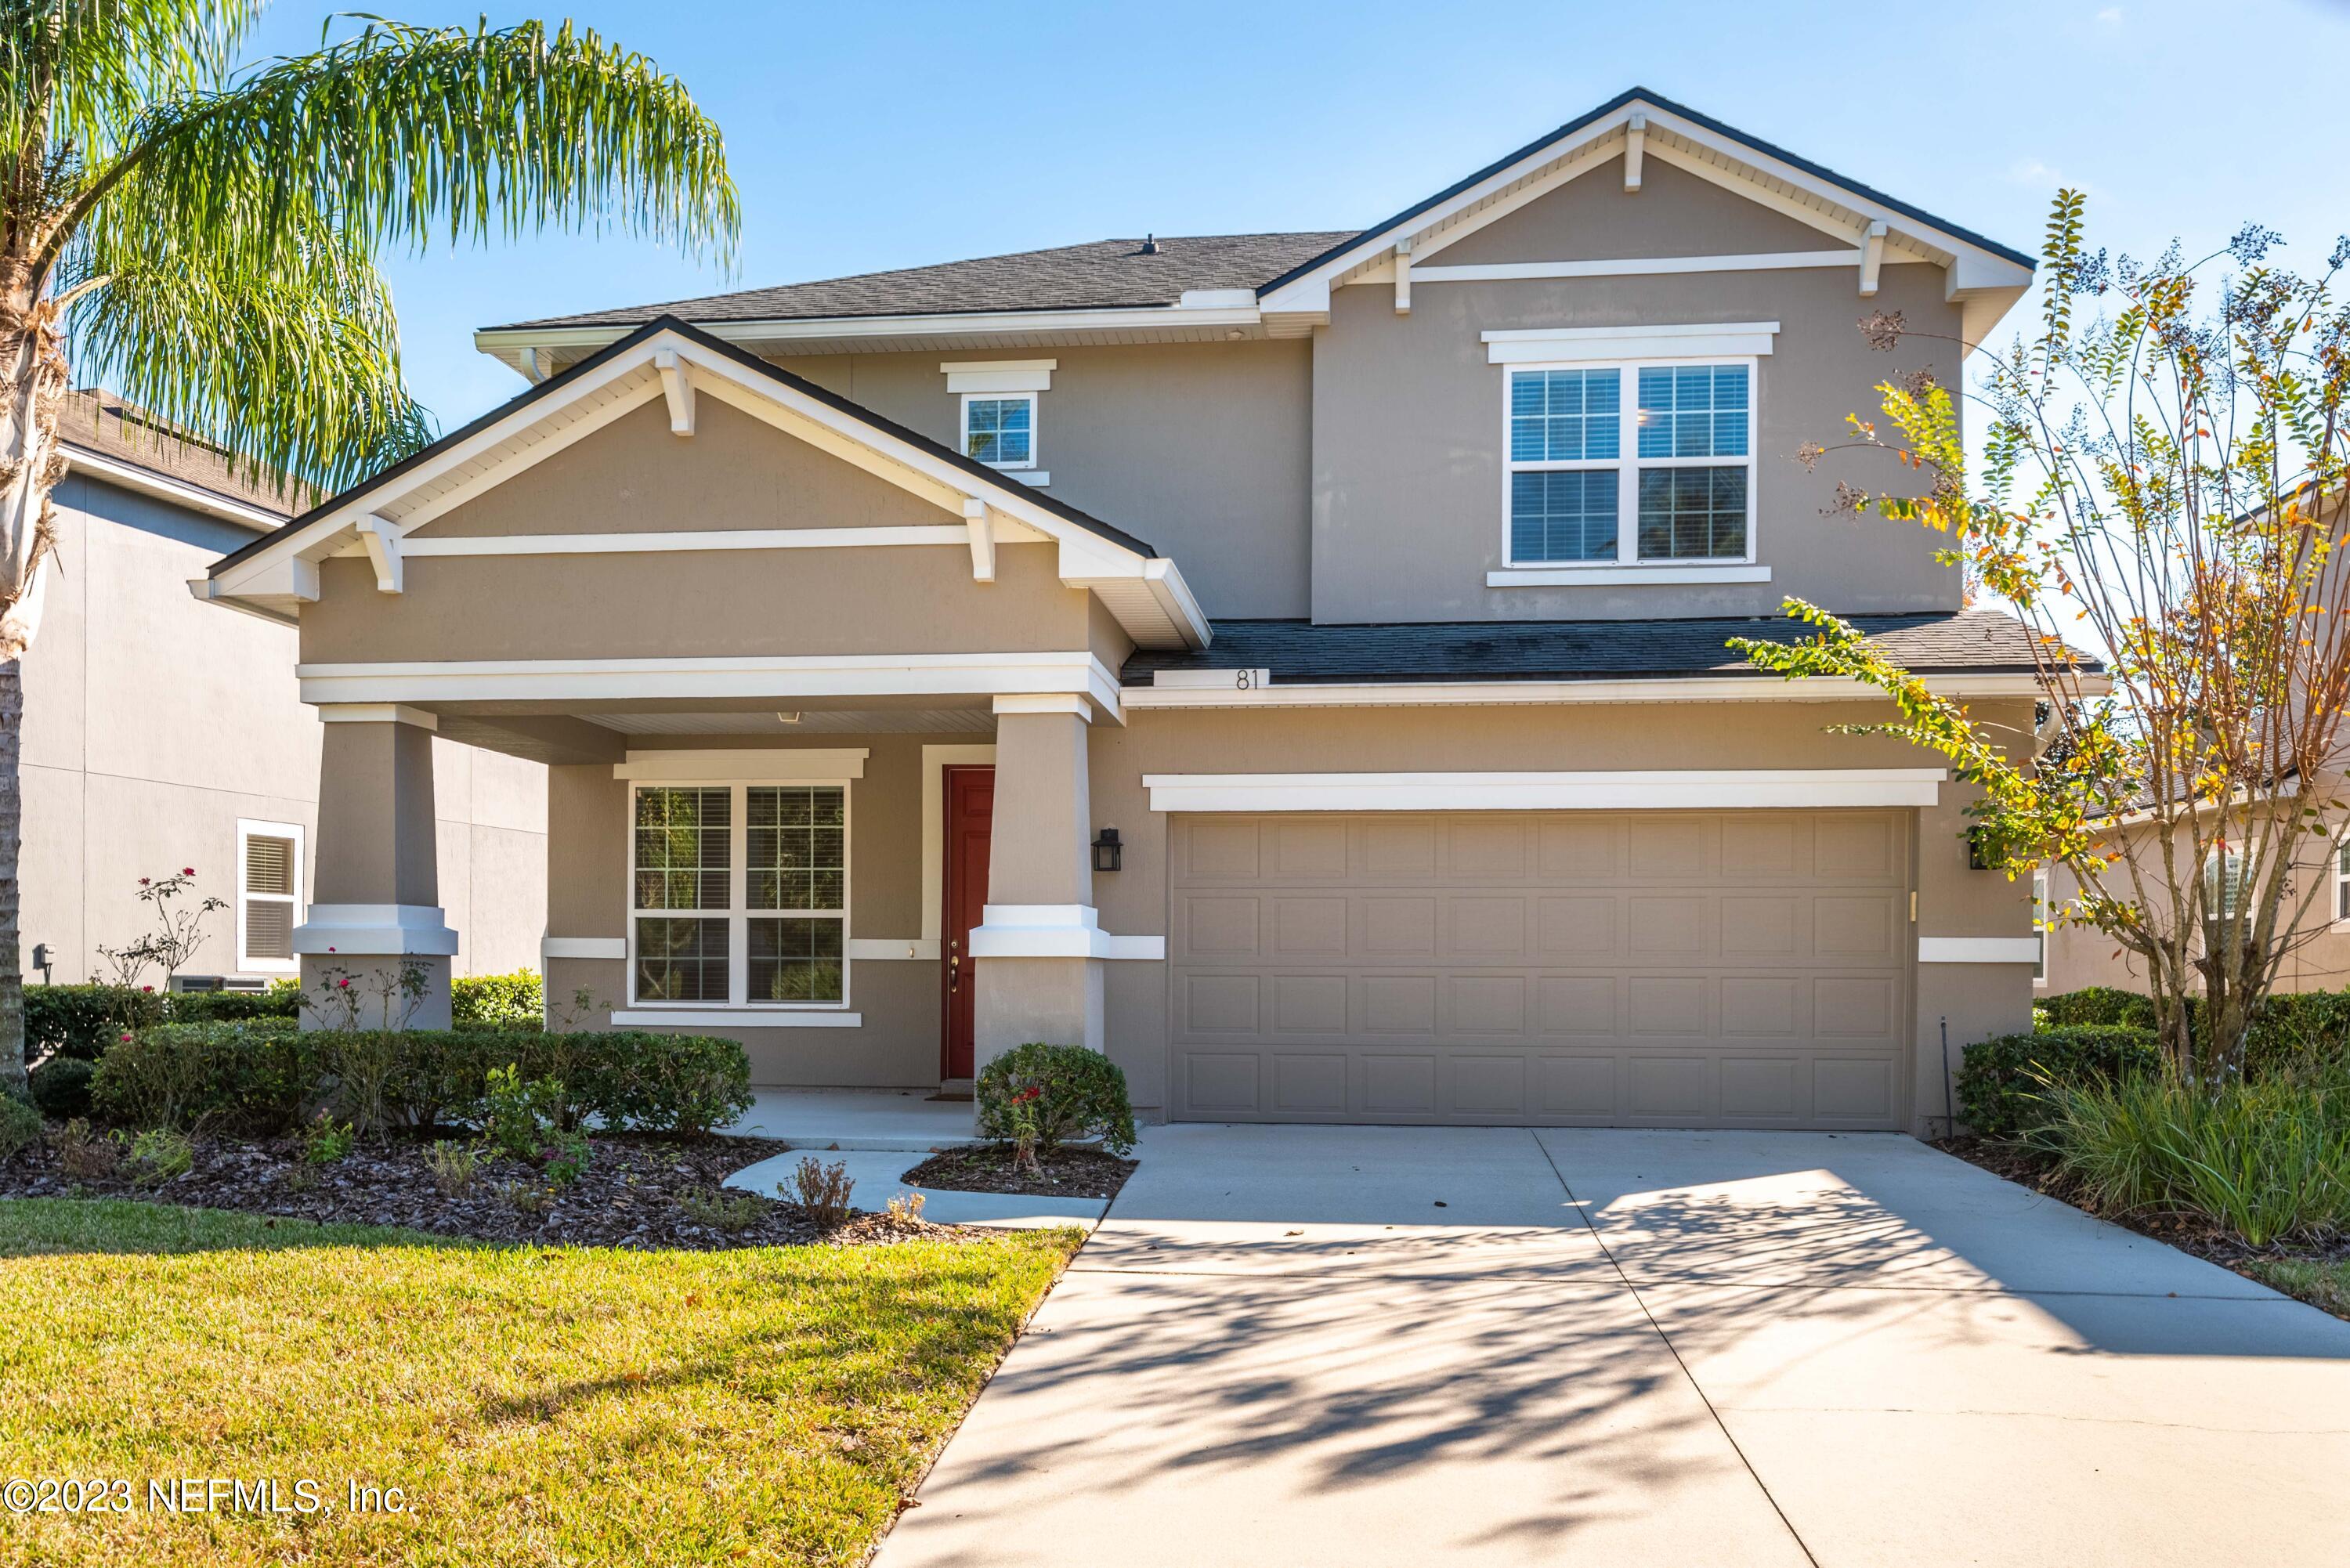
(1293, 664)
(161, 734)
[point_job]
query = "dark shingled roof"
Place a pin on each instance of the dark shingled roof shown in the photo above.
(1301, 653)
(1106, 274)
(99, 423)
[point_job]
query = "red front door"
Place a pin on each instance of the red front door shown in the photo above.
(971, 819)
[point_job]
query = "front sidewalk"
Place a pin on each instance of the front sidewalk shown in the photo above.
(1358, 1346)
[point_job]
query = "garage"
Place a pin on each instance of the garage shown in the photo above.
(1563, 968)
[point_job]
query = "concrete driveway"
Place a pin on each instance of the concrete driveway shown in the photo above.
(1371, 1345)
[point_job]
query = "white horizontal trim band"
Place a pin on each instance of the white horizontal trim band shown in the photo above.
(820, 675)
(583, 948)
(1677, 790)
(375, 931)
(733, 1018)
(1621, 576)
(886, 948)
(1498, 271)
(760, 764)
(1978, 949)
(1508, 693)
(662, 544)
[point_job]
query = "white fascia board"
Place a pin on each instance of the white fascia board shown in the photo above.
(1543, 345)
(206, 591)
(1978, 949)
(763, 764)
(818, 675)
(127, 475)
(1680, 789)
(1517, 693)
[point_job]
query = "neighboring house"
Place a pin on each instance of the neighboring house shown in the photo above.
(1290, 662)
(2077, 956)
(159, 734)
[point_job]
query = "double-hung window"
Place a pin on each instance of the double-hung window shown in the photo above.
(2040, 922)
(2342, 883)
(1631, 464)
(740, 895)
(1000, 429)
(2226, 881)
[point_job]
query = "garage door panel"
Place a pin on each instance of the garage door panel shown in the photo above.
(1652, 969)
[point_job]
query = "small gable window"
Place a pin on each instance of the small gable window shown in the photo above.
(1001, 431)
(1667, 448)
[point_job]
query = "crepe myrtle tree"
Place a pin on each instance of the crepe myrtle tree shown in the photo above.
(204, 237)
(2162, 482)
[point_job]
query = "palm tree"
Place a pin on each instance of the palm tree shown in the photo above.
(205, 238)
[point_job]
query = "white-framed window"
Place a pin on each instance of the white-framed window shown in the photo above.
(268, 896)
(1639, 462)
(2342, 883)
(2224, 875)
(999, 428)
(739, 895)
(2040, 923)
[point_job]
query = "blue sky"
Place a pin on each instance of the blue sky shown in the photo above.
(866, 136)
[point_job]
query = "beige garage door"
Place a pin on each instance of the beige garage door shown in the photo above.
(1658, 968)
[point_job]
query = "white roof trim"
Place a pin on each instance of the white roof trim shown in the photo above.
(1737, 164)
(1691, 789)
(132, 476)
(1146, 593)
(1510, 693)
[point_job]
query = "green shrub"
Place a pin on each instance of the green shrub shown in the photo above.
(2004, 1084)
(1079, 1093)
(266, 1076)
(259, 1076)
(282, 1000)
(83, 1021)
(160, 1154)
(2268, 1160)
(513, 1000)
(61, 1087)
(20, 1127)
(2098, 1004)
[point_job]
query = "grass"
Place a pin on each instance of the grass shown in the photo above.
(540, 1405)
(2321, 1284)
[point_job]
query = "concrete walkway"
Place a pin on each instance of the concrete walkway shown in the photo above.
(1358, 1346)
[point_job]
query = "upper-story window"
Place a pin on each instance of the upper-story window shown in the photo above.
(1669, 447)
(1000, 430)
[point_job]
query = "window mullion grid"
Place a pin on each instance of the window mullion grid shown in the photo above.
(1627, 476)
(738, 897)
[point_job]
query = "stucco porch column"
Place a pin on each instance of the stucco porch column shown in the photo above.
(1040, 949)
(376, 899)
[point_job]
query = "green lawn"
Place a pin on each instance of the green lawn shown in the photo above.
(2324, 1285)
(536, 1405)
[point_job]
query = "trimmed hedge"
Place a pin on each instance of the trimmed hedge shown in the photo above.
(83, 1019)
(267, 1076)
(2005, 1083)
(2293, 1031)
(60, 1087)
(282, 1000)
(516, 1001)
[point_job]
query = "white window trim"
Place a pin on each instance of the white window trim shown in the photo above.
(738, 1006)
(2040, 922)
(246, 830)
(2341, 880)
(1628, 565)
(1035, 428)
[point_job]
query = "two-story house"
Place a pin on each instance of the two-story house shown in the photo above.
(1294, 663)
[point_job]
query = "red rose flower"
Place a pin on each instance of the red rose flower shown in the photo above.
(187, 870)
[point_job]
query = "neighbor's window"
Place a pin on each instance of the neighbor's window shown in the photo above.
(268, 897)
(2040, 922)
(2224, 877)
(1669, 446)
(1000, 430)
(776, 932)
(2342, 881)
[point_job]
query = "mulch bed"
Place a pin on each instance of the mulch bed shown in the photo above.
(1066, 1172)
(2187, 1232)
(637, 1191)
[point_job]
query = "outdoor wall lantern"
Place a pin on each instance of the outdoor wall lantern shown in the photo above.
(1108, 850)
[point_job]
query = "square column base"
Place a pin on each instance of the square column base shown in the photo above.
(1057, 1000)
(373, 976)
